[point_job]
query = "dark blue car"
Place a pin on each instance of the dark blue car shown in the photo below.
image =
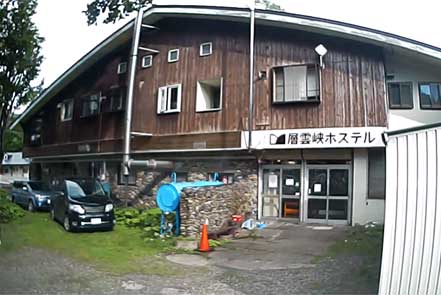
(33, 195)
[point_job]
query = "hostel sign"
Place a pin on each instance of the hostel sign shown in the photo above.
(316, 138)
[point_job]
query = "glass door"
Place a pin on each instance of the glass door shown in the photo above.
(328, 194)
(281, 194)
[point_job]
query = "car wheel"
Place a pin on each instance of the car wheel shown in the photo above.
(31, 207)
(66, 224)
(52, 213)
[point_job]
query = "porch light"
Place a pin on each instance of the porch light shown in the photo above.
(321, 51)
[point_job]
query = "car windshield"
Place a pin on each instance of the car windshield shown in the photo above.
(39, 186)
(82, 188)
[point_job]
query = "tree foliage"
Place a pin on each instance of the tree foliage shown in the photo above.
(20, 58)
(114, 10)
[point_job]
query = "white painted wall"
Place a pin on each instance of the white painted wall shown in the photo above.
(364, 210)
(411, 260)
(412, 69)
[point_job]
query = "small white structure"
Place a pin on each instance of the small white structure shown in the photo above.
(14, 167)
(412, 233)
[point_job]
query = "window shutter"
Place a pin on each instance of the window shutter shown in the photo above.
(162, 99)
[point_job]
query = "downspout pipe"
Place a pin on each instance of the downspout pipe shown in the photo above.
(127, 162)
(251, 99)
(130, 89)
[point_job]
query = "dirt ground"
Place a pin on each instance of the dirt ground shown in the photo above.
(281, 260)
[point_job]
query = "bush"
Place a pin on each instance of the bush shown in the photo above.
(8, 210)
(147, 220)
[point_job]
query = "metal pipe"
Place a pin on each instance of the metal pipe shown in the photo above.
(251, 100)
(130, 89)
(152, 164)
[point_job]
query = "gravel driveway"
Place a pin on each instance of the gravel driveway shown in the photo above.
(31, 270)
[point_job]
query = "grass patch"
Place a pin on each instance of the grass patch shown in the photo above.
(121, 251)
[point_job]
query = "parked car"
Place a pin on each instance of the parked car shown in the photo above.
(81, 203)
(32, 195)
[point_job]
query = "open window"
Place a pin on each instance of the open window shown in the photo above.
(209, 95)
(169, 99)
(66, 109)
(114, 100)
(298, 83)
(90, 105)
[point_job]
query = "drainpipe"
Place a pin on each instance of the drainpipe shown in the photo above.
(127, 162)
(251, 100)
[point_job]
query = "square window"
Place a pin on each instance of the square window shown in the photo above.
(400, 95)
(122, 68)
(66, 110)
(114, 100)
(206, 49)
(209, 95)
(297, 83)
(430, 96)
(147, 61)
(173, 55)
(169, 99)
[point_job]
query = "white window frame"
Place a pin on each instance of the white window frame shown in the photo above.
(64, 103)
(201, 51)
(164, 99)
(169, 55)
(198, 85)
(122, 68)
(144, 58)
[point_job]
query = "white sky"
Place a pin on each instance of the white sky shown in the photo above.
(68, 37)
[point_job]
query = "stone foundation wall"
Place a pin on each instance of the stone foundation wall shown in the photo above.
(217, 204)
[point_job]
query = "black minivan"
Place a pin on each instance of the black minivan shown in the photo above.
(81, 203)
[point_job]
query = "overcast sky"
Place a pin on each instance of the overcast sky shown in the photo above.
(68, 37)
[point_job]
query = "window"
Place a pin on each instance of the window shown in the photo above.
(400, 95)
(115, 100)
(377, 173)
(206, 49)
(90, 105)
(173, 55)
(147, 61)
(169, 99)
(209, 95)
(296, 84)
(430, 95)
(122, 68)
(66, 109)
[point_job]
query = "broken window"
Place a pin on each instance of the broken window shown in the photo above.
(296, 83)
(209, 95)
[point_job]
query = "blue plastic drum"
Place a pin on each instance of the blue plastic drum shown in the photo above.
(168, 197)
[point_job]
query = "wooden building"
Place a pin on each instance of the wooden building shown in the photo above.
(316, 148)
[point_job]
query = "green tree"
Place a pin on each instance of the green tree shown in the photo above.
(114, 10)
(20, 59)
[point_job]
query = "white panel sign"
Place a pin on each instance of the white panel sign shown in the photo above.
(352, 137)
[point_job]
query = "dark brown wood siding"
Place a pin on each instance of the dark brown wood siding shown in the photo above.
(352, 90)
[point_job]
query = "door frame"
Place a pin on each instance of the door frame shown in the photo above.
(280, 167)
(306, 195)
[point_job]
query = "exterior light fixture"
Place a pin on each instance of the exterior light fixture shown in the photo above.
(321, 51)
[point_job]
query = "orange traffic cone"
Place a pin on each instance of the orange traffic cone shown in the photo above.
(203, 244)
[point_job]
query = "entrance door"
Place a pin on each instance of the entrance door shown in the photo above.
(328, 194)
(281, 193)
